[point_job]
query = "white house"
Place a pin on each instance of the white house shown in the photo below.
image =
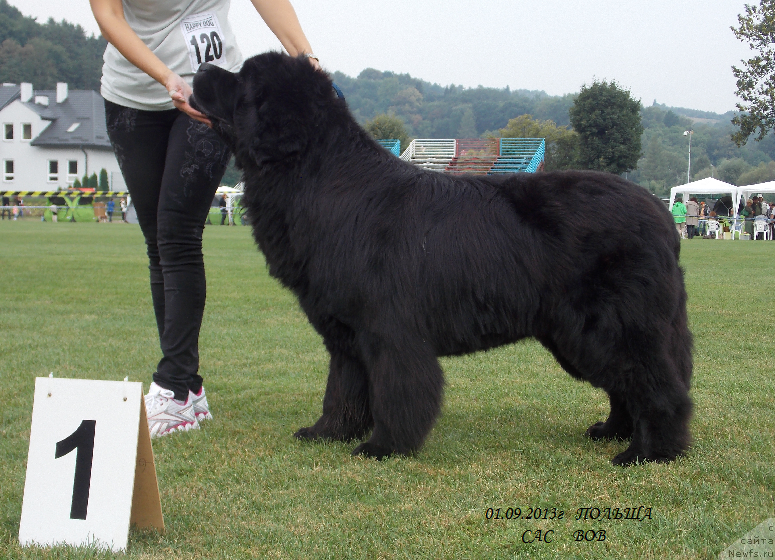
(50, 138)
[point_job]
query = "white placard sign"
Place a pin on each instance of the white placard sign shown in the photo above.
(204, 39)
(90, 468)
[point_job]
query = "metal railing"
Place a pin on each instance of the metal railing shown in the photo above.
(517, 155)
(391, 145)
(430, 153)
(477, 156)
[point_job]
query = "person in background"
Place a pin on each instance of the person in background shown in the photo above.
(679, 217)
(714, 228)
(6, 207)
(173, 162)
(123, 205)
(746, 214)
(110, 207)
(692, 217)
(760, 209)
(222, 205)
(757, 206)
(703, 219)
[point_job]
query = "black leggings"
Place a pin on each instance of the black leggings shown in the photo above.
(172, 166)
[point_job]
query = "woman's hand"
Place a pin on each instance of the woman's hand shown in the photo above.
(180, 92)
(313, 60)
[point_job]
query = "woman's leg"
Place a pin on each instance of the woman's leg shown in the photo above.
(196, 160)
(172, 166)
(139, 140)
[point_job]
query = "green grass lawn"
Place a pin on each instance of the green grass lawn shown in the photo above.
(75, 302)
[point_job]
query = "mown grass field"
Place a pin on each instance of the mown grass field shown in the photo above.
(75, 302)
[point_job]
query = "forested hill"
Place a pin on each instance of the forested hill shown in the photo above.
(44, 54)
(434, 111)
(52, 52)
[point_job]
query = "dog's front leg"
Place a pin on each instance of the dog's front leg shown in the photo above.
(405, 394)
(346, 415)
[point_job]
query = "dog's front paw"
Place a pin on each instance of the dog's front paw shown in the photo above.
(372, 450)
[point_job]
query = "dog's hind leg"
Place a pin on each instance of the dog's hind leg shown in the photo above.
(405, 388)
(346, 415)
(648, 389)
(619, 424)
(661, 430)
(659, 400)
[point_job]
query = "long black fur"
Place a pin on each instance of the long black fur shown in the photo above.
(395, 266)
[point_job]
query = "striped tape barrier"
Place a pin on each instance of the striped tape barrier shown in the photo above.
(64, 193)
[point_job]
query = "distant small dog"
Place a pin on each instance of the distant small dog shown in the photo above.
(395, 266)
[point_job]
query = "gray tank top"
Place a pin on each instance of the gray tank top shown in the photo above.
(183, 34)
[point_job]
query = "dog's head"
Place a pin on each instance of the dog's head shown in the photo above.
(270, 111)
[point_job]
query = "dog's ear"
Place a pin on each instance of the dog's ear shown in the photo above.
(277, 108)
(215, 92)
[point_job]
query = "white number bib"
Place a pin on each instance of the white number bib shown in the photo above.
(202, 34)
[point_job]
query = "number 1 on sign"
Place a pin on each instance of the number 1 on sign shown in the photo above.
(81, 439)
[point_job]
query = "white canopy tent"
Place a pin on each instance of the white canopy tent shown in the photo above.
(709, 185)
(230, 191)
(749, 190)
(231, 194)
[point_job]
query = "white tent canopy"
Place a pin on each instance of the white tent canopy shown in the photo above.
(709, 185)
(748, 190)
(231, 191)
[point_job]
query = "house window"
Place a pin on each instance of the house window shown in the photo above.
(8, 131)
(72, 171)
(53, 170)
(26, 131)
(8, 170)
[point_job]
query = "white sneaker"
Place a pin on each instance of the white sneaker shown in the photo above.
(201, 409)
(166, 415)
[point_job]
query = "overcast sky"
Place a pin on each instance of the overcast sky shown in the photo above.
(678, 53)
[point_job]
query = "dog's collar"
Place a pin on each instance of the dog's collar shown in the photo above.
(338, 91)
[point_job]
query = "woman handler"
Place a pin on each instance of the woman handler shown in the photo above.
(172, 163)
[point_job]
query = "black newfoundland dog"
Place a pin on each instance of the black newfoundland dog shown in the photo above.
(395, 266)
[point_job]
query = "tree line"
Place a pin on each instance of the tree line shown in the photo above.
(661, 156)
(44, 54)
(658, 158)
(435, 111)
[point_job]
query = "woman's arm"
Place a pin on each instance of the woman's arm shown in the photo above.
(110, 17)
(281, 18)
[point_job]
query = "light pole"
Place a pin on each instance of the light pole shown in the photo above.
(689, 169)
